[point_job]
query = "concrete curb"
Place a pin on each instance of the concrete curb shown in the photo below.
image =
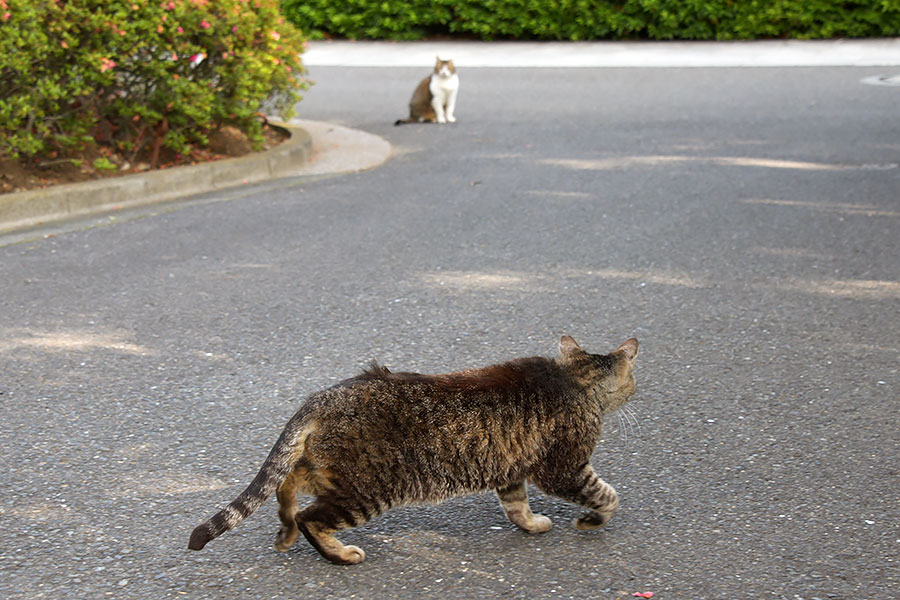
(338, 149)
(300, 155)
(20, 210)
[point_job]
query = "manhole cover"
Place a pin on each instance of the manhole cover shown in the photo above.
(882, 80)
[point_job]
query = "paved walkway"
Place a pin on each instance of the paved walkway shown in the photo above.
(766, 53)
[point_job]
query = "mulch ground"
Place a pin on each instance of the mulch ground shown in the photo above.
(17, 175)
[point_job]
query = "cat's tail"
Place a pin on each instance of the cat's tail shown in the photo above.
(415, 120)
(274, 471)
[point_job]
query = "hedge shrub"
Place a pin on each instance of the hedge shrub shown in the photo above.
(141, 75)
(595, 19)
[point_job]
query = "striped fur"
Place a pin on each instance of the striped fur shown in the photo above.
(385, 439)
(276, 468)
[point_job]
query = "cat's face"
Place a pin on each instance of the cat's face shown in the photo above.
(444, 68)
(611, 375)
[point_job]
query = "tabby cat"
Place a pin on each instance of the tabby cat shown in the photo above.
(385, 439)
(434, 99)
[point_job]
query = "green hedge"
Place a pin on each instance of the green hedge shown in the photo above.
(141, 75)
(595, 19)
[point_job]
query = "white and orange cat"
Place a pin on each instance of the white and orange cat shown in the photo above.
(434, 99)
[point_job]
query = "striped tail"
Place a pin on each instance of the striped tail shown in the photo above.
(274, 471)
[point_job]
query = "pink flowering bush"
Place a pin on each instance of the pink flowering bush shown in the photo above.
(142, 75)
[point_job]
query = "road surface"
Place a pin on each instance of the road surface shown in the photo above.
(744, 224)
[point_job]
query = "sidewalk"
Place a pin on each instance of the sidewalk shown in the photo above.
(766, 53)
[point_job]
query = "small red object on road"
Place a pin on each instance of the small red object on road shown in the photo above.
(643, 594)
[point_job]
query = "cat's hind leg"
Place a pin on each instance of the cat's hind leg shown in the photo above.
(323, 518)
(514, 500)
(287, 512)
(584, 487)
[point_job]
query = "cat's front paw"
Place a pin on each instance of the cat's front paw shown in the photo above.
(350, 555)
(451, 119)
(539, 524)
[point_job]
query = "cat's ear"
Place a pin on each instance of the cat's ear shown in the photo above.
(568, 346)
(629, 348)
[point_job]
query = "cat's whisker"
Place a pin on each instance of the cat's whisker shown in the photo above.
(638, 423)
(629, 413)
(635, 421)
(623, 426)
(630, 424)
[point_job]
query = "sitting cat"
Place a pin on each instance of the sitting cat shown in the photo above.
(385, 439)
(434, 99)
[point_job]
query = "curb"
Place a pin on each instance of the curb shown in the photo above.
(20, 210)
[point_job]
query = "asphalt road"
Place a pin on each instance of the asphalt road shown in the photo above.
(744, 224)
